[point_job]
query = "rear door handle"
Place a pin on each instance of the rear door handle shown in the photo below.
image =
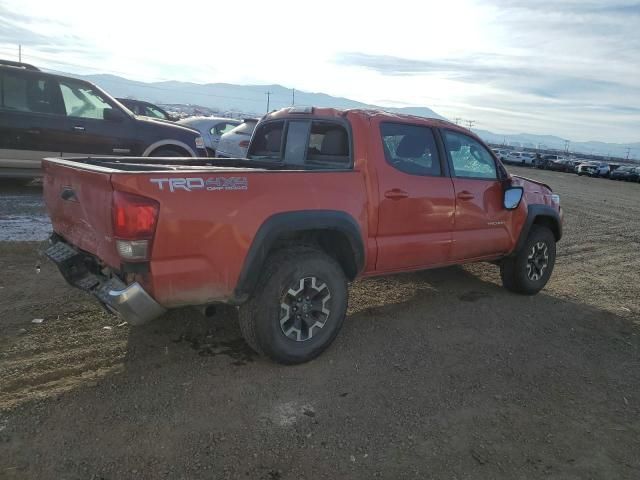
(78, 128)
(396, 194)
(34, 131)
(465, 195)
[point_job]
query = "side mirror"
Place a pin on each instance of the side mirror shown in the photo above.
(512, 197)
(112, 115)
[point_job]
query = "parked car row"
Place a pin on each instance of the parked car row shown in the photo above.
(627, 173)
(569, 165)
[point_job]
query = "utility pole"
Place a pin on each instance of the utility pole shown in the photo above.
(458, 120)
(628, 152)
(293, 96)
(566, 146)
(20, 53)
(470, 123)
(268, 94)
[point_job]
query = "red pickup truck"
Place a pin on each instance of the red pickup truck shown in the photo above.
(324, 196)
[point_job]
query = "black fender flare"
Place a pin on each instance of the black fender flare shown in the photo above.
(291, 222)
(534, 212)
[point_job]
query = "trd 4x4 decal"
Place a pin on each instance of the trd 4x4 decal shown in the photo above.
(198, 183)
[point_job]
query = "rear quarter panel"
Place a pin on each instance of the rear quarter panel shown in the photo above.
(203, 236)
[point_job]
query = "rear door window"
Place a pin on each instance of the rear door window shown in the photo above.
(222, 128)
(28, 92)
(410, 148)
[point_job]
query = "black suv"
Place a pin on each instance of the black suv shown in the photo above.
(44, 115)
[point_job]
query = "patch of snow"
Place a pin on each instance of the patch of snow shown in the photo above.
(24, 228)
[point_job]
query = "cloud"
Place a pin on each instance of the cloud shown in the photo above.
(11, 33)
(502, 71)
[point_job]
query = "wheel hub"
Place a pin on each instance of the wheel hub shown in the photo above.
(305, 308)
(537, 261)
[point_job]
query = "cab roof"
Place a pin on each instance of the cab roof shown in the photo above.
(325, 112)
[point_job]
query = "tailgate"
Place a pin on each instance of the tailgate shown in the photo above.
(78, 201)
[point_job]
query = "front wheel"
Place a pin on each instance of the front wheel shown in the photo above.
(298, 306)
(529, 270)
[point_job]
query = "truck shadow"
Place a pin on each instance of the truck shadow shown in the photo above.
(432, 369)
(451, 298)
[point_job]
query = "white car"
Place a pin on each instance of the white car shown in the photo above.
(593, 169)
(522, 158)
(501, 153)
(234, 144)
(211, 129)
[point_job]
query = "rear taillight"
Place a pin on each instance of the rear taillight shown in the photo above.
(134, 223)
(244, 144)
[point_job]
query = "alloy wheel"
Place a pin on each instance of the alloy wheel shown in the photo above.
(537, 261)
(305, 308)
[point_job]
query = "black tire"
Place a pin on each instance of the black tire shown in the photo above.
(517, 273)
(262, 315)
(169, 152)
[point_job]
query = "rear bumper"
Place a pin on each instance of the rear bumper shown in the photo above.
(131, 302)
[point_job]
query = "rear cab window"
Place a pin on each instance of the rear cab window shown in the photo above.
(308, 143)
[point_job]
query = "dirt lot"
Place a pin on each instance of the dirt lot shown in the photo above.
(440, 374)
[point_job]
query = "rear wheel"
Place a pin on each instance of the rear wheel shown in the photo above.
(529, 270)
(298, 306)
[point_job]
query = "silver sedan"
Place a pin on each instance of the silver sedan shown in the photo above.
(211, 129)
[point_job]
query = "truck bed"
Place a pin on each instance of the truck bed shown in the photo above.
(210, 211)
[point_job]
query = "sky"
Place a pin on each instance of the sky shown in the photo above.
(568, 68)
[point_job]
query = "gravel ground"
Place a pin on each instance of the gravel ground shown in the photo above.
(439, 374)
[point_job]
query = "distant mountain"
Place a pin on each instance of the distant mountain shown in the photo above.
(551, 142)
(250, 99)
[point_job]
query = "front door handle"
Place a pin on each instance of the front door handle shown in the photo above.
(78, 128)
(396, 194)
(465, 195)
(34, 131)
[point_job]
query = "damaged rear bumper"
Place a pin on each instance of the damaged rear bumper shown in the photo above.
(131, 302)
